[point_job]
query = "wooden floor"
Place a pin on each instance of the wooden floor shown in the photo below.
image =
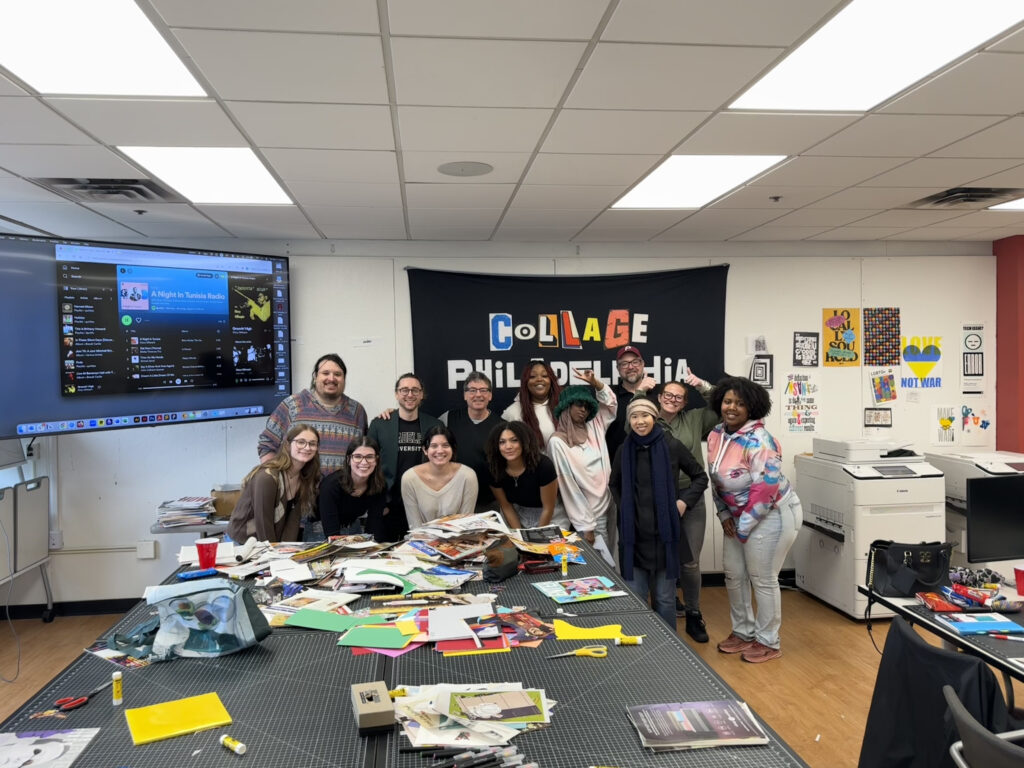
(816, 696)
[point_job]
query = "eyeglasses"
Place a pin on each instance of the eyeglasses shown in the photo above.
(631, 363)
(363, 459)
(306, 443)
(477, 390)
(409, 391)
(673, 398)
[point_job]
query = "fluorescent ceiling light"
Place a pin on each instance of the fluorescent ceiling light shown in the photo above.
(101, 47)
(212, 175)
(1012, 205)
(873, 49)
(692, 181)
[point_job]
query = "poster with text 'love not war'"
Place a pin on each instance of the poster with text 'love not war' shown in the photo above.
(922, 362)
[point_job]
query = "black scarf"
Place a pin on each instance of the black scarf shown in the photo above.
(663, 484)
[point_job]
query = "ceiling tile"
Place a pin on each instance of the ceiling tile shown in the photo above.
(458, 196)
(932, 233)
(761, 197)
(438, 224)
(900, 135)
(70, 162)
(988, 219)
(7, 88)
(464, 129)
(967, 89)
(537, 19)
(745, 133)
(820, 217)
(162, 219)
(875, 198)
(152, 122)
(859, 233)
(277, 222)
(565, 197)
(422, 167)
(9, 228)
(1003, 140)
(629, 226)
(812, 171)
(354, 16)
(908, 218)
(27, 120)
(590, 169)
(358, 223)
(14, 190)
(1013, 43)
(623, 76)
(771, 232)
(534, 234)
(519, 217)
(619, 132)
(333, 165)
(940, 172)
(271, 66)
(711, 224)
(64, 219)
(342, 194)
(484, 73)
(1013, 177)
(724, 22)
(315, 126)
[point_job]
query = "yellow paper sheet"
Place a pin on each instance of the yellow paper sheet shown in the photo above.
(176, 718)
(566, 631)
(408, 627)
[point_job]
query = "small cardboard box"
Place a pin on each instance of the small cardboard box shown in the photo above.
(224, 499)
(372, 707)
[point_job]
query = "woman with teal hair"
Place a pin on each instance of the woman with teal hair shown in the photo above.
(580, 454)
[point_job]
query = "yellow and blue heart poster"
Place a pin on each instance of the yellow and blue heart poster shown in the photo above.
(840, 334)
(922, 362)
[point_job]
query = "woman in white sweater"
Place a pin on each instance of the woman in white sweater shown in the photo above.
(440, 486)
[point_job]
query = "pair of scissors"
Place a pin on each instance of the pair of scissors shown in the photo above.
(594, 651)
(68, 703)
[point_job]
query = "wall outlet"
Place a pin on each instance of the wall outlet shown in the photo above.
(145, 550)
(56, 539)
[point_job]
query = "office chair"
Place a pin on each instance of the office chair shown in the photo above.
(979, 747)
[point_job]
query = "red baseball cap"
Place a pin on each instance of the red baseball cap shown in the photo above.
(627, 351)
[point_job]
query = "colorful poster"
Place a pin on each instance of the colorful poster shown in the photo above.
(883, 385)
(945, 421)
(975, 425)
(881, 336)
(805, 349)
(972, 359)
(800, 403)
(840, 332)
(922, 358)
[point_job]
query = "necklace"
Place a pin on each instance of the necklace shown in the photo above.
(515, 477)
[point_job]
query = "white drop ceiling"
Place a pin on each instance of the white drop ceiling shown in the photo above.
(353, 106)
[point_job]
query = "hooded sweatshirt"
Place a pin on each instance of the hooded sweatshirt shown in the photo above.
(746, 474)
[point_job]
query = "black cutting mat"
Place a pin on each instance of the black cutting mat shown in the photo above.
(289, 699)
(589, 725)
(1002, 649)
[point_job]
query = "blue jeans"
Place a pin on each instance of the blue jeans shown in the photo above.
(661, 587)
(753, 569)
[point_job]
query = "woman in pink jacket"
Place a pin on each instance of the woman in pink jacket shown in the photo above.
(760, 515)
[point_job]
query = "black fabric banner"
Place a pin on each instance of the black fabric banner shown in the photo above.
(496, 323)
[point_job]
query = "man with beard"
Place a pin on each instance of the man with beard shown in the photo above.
(633, 382)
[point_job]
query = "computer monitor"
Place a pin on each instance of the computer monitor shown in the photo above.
(995, 518)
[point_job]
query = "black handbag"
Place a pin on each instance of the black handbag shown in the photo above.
(900, 570)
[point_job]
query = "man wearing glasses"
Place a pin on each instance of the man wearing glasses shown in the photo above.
(633, 382)
(471, 424)
(400, 436)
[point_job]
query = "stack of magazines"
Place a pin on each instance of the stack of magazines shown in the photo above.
(695, 724)
(188, 510)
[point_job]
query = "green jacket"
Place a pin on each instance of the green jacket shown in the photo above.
(690, 428)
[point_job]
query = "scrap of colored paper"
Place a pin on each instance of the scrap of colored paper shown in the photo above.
(408, 627)
(331, 622)
(391, 653)
(566, 631)
(375, 637)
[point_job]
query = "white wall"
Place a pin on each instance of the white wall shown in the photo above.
(352, 298)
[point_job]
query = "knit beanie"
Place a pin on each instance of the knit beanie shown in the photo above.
(577, 393)
(642, 404)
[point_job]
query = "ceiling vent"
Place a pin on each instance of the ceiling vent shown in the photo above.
(968, 197)
(111, 190)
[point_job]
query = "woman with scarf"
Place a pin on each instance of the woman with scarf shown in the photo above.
(645, 484)
(580, 454)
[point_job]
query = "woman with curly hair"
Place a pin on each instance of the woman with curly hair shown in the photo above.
(523, 479)
(760, 515)
(539, 391)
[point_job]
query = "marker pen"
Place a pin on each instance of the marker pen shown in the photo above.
(1007, 637)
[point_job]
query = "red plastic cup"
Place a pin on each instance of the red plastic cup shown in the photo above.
(1019, 574)
(207, 549)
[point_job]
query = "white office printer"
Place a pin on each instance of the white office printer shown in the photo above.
(854, 492)
(958, 467)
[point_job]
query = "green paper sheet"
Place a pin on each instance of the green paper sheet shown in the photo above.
(375, 637)
(331, 622)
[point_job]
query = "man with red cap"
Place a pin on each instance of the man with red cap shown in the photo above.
(633, 382)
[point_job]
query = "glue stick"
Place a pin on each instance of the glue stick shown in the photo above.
(117, 689)
(233, 744)
(629, 640)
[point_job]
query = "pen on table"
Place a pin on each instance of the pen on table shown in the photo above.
(1007, 637)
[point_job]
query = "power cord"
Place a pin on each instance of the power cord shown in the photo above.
(7, 606)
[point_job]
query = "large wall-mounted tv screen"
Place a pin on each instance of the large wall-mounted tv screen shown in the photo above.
(104, 336)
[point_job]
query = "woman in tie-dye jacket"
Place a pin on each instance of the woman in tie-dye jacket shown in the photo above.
(760, 515)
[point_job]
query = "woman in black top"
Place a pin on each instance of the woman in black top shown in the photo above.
(355, 490)
(524, 483)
